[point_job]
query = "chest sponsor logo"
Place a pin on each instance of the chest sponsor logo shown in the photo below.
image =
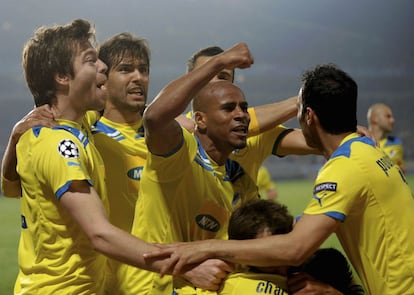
(325, 186)
(135, 173)
(265, 287)
(207, 222)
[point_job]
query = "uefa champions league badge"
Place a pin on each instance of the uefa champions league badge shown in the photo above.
(68, 149)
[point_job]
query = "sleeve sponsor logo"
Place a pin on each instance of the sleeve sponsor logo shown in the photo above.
(325, 186)
(68, 149)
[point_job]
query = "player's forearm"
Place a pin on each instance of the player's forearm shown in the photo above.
(273, 114)
(174, 98)
(122, 246)
(10, 179)
(257, 253)
(9, 162)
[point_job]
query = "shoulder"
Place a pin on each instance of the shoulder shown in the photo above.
(393, 140)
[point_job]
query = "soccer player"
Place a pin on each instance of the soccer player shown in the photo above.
(187, 180)
(327, 271)
(65, 228)
(381, 123)
(119, 135)
(359, 194)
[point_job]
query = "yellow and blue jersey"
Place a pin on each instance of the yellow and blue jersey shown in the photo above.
(183, 197)
(393, 147)
(54, 253)
(124, 152)
(363, 188)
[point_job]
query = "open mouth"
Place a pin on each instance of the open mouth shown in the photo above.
(136, 91)
(240, 130)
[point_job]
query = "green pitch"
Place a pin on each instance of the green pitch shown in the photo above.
(295, 194)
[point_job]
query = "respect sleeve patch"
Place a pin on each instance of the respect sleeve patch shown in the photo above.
(325, 186)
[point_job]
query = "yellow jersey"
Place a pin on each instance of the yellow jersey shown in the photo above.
(54, 253)
(364, 189)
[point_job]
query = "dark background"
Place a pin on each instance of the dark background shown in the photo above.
(372, 40)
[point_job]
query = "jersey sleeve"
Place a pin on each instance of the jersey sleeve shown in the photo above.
(9, 188)
(170, 168)
(60, 160)
(337, 189)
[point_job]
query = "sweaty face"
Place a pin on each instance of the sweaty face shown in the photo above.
(127, 84)
(89, 77)
(227, 75)
(226, 116)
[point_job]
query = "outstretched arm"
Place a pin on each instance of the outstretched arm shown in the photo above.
(277, 250)
(271, 115)
(163, 133)
(41, 116)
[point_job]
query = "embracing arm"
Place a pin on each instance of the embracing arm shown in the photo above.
(41, 116)
(271, 115)
(86, 208)
(277, 250)
(83, 204)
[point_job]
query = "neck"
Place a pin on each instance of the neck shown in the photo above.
(126, 117)
(215, 152)
(66, 112)
(329, 143)
(377, 133)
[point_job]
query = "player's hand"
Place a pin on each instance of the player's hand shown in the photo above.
(181, 255)
(238, 56)
(40, 116)
(304, 284)
(209, 274)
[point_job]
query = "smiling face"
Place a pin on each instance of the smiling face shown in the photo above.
(221, 113)
(127, 84)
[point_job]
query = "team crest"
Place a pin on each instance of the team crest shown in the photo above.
(68, 149)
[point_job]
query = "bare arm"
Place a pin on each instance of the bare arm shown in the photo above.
(273, 114)
(277, 250)
(84, 205)
(294, 143)
(86, 208)
(163, 133)
(41, 116)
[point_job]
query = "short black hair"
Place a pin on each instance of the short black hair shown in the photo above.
(332, 94)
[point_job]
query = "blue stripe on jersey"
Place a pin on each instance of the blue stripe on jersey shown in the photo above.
(392, 140)
(66, 186)
(100, 127)
(202, 158)
(76, 132)
(233, 169)
(336, 215)
(345, 148)
(36, 130)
